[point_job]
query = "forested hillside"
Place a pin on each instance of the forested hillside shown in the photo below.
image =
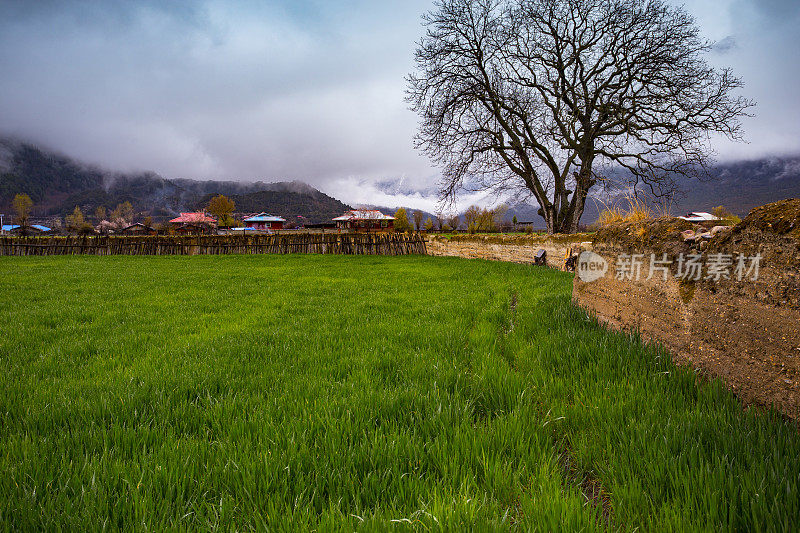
(57, 184)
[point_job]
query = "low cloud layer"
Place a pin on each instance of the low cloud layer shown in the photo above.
(307, 90)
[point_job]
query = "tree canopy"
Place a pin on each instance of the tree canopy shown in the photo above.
(221, 207)
(122, 214)
(401, 222)
(76, 220)
(545, 96)
(22, 205)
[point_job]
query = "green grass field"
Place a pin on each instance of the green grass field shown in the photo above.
(335, 392)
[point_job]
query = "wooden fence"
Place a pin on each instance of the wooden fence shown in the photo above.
(351, 244)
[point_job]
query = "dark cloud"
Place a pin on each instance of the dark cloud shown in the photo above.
(778, 9)
(307, 89)
(725, 45)
(767, 58)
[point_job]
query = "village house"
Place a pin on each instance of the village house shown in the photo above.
(34, 229)
(189, 223)
(138, 229)
(194, 229)
(264, 222)
(365, 220)
(699, 216)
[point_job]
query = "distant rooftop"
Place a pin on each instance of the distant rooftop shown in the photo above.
(699, 216)
(137, 225)
(193, 218)
(10, 227)
(264, 217)
(363, 214)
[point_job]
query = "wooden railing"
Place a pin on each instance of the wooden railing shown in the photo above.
(350, 244)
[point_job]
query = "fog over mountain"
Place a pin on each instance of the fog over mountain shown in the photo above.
(58, 183)
(304, 90)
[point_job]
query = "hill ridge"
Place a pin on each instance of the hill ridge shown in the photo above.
(57, 183)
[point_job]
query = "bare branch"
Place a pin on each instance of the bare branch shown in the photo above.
(532, 94)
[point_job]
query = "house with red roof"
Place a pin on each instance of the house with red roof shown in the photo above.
(365, 220)
(193, 223)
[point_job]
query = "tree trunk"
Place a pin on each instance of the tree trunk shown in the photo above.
(576, 210)
(568, 220)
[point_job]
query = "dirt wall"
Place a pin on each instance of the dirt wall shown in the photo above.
(515, 249)
(746, 332)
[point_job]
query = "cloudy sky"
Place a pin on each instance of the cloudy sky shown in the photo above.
(294, 89)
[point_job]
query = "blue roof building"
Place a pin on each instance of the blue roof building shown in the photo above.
(264, 221)
(8, 228)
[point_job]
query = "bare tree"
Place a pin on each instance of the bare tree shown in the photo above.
(454, 221)
(122, 215)
(471, 216)
(542, 96)
(418, 216)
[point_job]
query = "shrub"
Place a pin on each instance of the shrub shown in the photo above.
(637, 210)
(728, 218)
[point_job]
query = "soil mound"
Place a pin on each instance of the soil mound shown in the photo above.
(660, 235)
(772, 231)
(779, 218)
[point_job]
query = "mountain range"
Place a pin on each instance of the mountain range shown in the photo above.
(738, 186)
(58, 183)
(288, 200)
